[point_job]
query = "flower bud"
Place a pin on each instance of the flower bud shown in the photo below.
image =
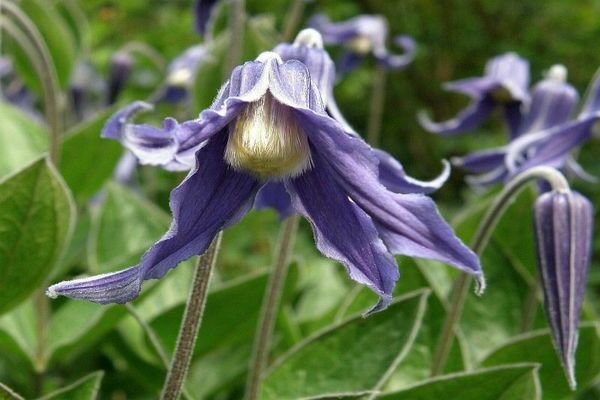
(563, 229)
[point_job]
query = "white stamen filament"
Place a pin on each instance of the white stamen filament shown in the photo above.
(267, 141)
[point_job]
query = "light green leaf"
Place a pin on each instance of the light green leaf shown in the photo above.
(123, 229)
(87, 161)
(537, 347)
(350, 357)
(18, 332)
(510, 382)
(36, 220)
(86, 388)
(22, 139)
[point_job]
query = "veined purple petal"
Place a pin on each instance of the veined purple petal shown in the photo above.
(393, 177)
(410, 224)
(512, 72)
(563, 228)
(114, 127)
(481, 161)
(212, 197)
(399, 61)
(343, 231)
(203, 11)
(470, 118)
(274, 195)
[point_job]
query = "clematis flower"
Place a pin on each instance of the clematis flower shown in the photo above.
(361, 36)
(545, 136)
(181, 73)
(269, 124)
(563, 229)
(203, 12)
(504, 84)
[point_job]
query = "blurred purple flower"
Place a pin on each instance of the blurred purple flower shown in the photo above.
(269, 124)
(120, 69)
(361, 36)
(203, 12)
(545, 136)
(563, 228)
(504, 83)
(181, 73)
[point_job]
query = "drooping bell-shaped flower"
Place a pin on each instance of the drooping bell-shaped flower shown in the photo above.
(85, 87)
(269, 124)
(362, 36)
(563, 230)
(504, 84)
(203, 13)
(181, 73)
(120, 69)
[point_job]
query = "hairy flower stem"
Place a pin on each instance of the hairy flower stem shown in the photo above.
(377, 105)
(292, 19)
(480, 241)
(236, 26)
(268, 313)
(192, 317)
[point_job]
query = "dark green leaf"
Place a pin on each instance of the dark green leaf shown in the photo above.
(510, 382)
(537, 347)
(87, 161)
(36, 221)
(22, 139)
(350, 357)
(86, 388)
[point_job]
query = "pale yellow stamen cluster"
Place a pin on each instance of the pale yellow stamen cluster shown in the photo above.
(267, 141)
(361, 45)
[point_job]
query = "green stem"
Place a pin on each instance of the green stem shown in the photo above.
(271, 300)
(237, 23)
(480, 241)
(190, 324)
(376, 107)
(293, 16)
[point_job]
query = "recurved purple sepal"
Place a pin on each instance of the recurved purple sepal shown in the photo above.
(563, 228)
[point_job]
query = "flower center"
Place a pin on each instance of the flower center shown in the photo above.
(360, 45)
(267, 141)
(502, 95)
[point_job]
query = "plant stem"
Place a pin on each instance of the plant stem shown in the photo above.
(480, 241)
(237, 23)
(192, 317)
(271, 300)
(292, 19)
(377, 105)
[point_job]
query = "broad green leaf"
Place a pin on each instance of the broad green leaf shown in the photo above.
(537, 347)
(123, 229)
(18, 332)
(58, 39)
(22, 139)
(510, 382)
(352, 356)
(86, 388)
(36, 221)
(87, 161)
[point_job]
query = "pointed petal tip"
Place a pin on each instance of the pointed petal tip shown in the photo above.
(383, 303)
(480, 284)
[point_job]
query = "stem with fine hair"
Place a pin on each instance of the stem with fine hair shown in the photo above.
(480, 241)
(192, 317)
(236, 25)
(377, 105)
(271, 300)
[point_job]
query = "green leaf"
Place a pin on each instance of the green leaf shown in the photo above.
(509, 382)
(22, 139)
(123, 229)
(86, 388)
(87, 161)
(352, 356)
(58, 38)
(537, 347)
(36, 220)
(18, 332)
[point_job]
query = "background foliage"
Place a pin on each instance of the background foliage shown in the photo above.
(58, 222)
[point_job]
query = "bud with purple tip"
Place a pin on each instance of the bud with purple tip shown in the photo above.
(120, 67)
(563, 228)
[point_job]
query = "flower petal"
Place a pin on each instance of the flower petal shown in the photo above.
(481, 161)
(470, 118)
(393, 177)
(343, 231)
(395, 61)
(203, 11)
(274, 195)
(212, 197)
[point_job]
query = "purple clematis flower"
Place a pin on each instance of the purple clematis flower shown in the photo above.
(504, 83)
(361, 36)
(203, 13)
(181, 73)
(563, 229)
(545, 136)
(269, 124)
